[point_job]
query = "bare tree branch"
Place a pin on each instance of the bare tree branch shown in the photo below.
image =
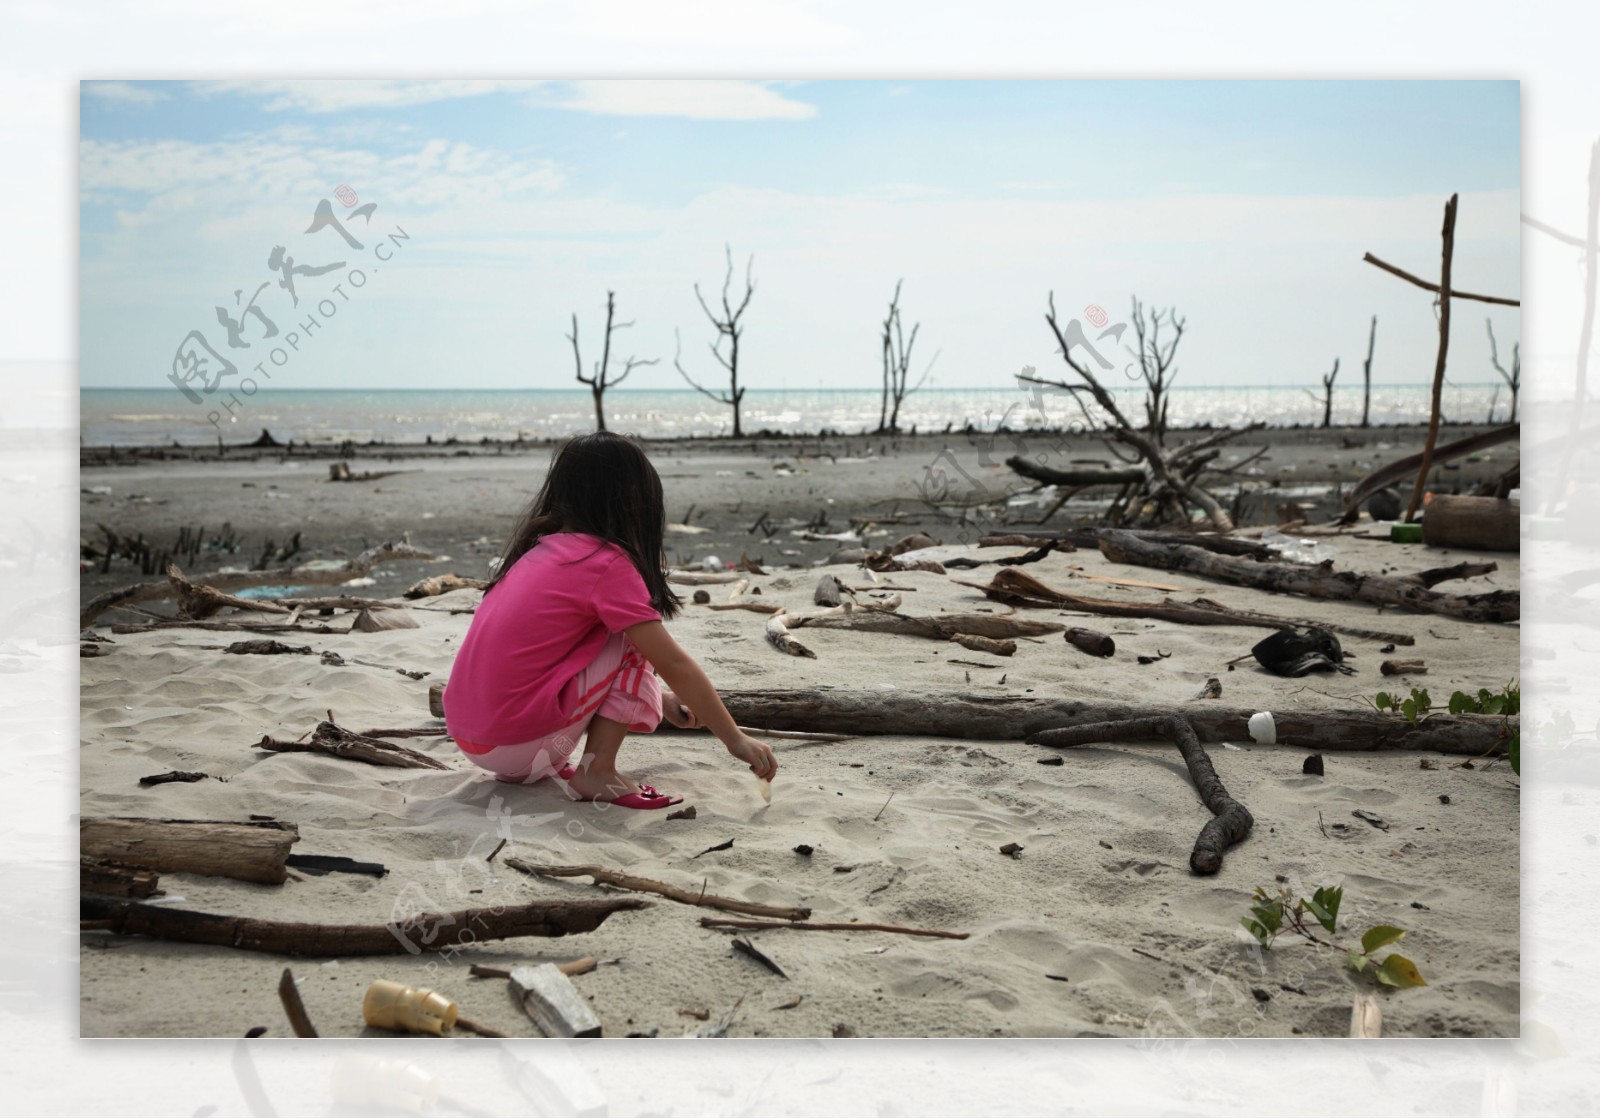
(727, 327)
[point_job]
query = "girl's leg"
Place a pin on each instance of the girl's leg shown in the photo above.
(597, 777)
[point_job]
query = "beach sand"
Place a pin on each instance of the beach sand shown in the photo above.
(1097, 927)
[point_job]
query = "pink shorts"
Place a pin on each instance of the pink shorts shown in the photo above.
(618, 685)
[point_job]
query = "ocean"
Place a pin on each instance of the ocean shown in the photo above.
(162, 416)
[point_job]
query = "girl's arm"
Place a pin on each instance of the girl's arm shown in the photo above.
(694, 689)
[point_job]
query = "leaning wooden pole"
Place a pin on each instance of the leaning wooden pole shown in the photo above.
(1230, 821)
(1448, 234)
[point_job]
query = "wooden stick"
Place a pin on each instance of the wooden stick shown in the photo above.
(622, 880)
(1406, 467)
(827, 926)
(778, 637)
(583, 965)
(465, 1023)
(1000, 718)
(426, 932)
(1448, 234)
(940, 627)
(1091, 641)
(1230, 821)
(1427, 286)
(102, 876)
(299, 1020)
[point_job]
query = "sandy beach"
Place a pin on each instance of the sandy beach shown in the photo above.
(1096, 927)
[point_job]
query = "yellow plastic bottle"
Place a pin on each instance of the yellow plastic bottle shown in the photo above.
(394, 1006)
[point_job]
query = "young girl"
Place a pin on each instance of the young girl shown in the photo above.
(569, 629)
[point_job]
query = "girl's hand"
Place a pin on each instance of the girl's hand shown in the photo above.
(757, 755)
(677, 714)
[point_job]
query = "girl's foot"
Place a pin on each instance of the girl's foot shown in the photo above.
(615, 788)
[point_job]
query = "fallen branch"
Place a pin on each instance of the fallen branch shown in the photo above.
(827, 926)
(294, 1007)
(1230, 821)
(1408, 466)
(424, 932)
(330, 738)
(102, 876)
(1320, 581)
(1002, 718)
(436, 585)
(778, 637)
(624, 881)
(944, 627)
(198, 601)
(1017, 588)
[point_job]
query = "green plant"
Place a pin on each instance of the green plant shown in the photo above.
(1506, 703)
(1270, 911)
(1414, 707)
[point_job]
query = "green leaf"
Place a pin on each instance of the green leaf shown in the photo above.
(1383, 700)
(1424, 702)
(1493, 705)
(1409, 709)
(1379, 935)
(1397, 971)
(1328, 898)
(1358, 961)
(1459, 702)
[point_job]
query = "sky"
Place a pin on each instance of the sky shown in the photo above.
(487, 213)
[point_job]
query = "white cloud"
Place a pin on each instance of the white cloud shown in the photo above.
(702, 100)
(336, 96)
(123, 93)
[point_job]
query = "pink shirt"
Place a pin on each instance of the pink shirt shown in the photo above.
(514, 677)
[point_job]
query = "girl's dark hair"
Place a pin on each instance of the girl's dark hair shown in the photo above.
(601, 484)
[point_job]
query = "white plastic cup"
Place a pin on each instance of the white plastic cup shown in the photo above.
(1263, 729)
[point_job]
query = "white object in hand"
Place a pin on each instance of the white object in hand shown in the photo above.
(1263, 729)
(766, 790)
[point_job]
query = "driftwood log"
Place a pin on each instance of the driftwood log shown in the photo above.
(1409, 592)
(1091, 641)
(102, 876)
(354, 568)
(778, 637)
(330, 738)
(422, 933)
(198, 601)
(1002, 718)
(942, 627)
(1230, 821)
(1485, 524)
(990, 645)
(1017, 588)
(624, 881)
(251, 851)
(436, 585)
(829, 591)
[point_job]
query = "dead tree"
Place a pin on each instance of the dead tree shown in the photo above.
(1366, 375)
(1513, 379)
(1327, 393)
(1169, 483)
(729, 327)
(601, 380)
(897, 366)
(1155, 363)
(1445, 293)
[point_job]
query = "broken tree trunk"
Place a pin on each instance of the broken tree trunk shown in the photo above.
(1017, 588)
(198, 601)
(251, 851)
(1099, 476)
(436, 585)
(1321, 581)
(1000, 718)
(1485, 524)
(1230, 821)
(330, 738)
(112, 879)
(423, 933)
(624, 881)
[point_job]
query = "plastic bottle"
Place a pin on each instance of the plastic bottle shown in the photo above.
(394, 1006)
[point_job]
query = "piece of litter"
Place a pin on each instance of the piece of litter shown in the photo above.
(1229, 746)
(173, 899)
(876, 951)
(766, 790)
